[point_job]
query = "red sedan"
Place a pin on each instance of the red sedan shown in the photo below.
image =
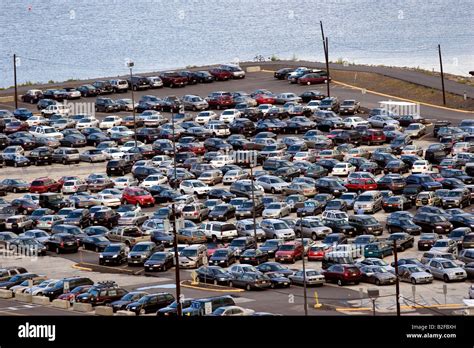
(317, 252)
(343, 274)
(42, 185)
(362, 184)
(313, 78)
(264, 99)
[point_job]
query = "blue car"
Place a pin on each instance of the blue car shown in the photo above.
(22, 114)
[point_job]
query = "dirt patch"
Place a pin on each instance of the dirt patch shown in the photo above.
(402, 89)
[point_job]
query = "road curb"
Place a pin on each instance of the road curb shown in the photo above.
(391, 96)
(76, 266)
(185, 284)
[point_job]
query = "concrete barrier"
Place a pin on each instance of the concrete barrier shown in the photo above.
(41, 300)
(24, 297)
(6, 293)
(253, 69)
(126, 313)
(60, 304)
(82, 307)
(104, 310)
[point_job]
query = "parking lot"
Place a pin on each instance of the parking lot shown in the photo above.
(416, 299)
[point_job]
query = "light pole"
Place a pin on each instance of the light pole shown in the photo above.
(175, 234)
(251, 162)
(14, 78)
(305, 292)
(131, 64)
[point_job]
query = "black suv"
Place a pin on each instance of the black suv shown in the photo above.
(138, 82)
(151, 303)
(330, 185)
(365, 224)
(119, 167)
(457, 198)
(430, 222)
(104, 87)
(115, 253)
(102, 293)
(107, 218)
(106, 105)
(41, 155)
(53, 201)
(62, 242)
(330, 104)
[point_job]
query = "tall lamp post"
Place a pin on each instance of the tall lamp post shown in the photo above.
(179, 308)
(252, 161)
(130, 65)
(305, 291)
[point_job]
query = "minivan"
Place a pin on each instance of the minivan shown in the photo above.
(193, 256)
(368, 202)
(71, 283)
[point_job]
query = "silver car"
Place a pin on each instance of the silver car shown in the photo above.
(276, 210)
(311, 228)
(277, 229)
(283, 98)
(313, 277)
(272, 183)
(414, 274)
(195, 103)
(93, 156)
(446, 270)
(245, 228)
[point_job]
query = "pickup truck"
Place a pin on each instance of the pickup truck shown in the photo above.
(130, 235)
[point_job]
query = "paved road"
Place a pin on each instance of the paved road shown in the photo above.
(412, 76)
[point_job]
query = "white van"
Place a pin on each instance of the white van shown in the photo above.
(59, 109)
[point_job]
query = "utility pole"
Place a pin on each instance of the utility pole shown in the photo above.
(305, 293)
(442, 74)
(16, 85)
(397, 280)
(326, 48)
(130, 65)
(179, 308)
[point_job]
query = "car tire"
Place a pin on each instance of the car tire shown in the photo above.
(446, 278)
(247, 287)
(340, 282)
(377, 282)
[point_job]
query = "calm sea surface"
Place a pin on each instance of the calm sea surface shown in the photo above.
(63, 39)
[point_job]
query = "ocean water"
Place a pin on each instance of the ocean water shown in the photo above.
(70, 39)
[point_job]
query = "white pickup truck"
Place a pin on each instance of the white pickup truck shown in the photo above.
(218, 230)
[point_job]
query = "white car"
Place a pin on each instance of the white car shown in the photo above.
(62, 110)
(108, 200)
(45, 132)
(113, 153)
(232, 311)
(421, 167)
(154, 179)
(222, 160)
(124, 181)
(36, 121)
(155, 82)
(196, 187)
(157, 160)
(154, 120)
(87, 123)
(73, 186)
(218, 129)
(343, 169)
(205, 116)
(130, 145)
(110, 121)
(229, 115)
(335, 215)
(303, 156)
(313, 105)
(120, 129)
(352, 122)
(380, 121)
(264, 108)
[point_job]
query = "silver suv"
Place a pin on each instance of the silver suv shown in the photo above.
(197, 212)
(195, 103)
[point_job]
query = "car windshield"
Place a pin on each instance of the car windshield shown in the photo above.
(448, 264)
(287, 247)
(220, 253)
(112, 249)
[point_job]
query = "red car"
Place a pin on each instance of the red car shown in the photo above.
(362, 184)
(42, 185)
(137, 196)
(313, 78)
(221, 74)
(343, 274)
(196, 148)
(15, 126)
(317, 252)
(212, 247)
(264, 99)
(220, 100)
(172, 79)
(290, 252)
(71, 296)
(373, 136)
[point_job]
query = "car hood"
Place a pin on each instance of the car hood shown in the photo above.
(154, 262)
(421, 275)
(134, 304)
(108, 254)
(120, 303)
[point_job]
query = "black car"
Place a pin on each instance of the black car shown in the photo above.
(62, 242)
(16, 280)
(106, 105)
(340, 226)
(214, 275)
(223, 257)
(88, 91)
(150, 303)
(108, 218)
(402, 240)
(307, 96)
(250, 281)
(278, 280)
(119, 167)
(223, 194)
(365, 224)
(73, 140)
(274, 267)
(222, 212)
(172, 309)
(402, 225)
(330, 185)
(253, 256)
(41, 155)
(463, 220)
(282, 74)
(95, 243)
(159, 261)
(15, 185)
(115, 253)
